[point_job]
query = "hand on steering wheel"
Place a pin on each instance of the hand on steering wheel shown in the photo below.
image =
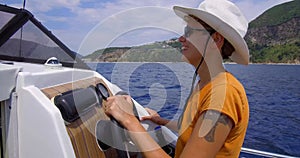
(154, 117)
(119, 107)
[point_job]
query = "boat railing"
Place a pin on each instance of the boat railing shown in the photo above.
(264, 153)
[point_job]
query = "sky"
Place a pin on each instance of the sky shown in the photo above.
(88, 25)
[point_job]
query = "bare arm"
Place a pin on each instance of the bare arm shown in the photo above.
(207, 138)
(143, 140)
(155, 117)
(209, 135)
(120, 107)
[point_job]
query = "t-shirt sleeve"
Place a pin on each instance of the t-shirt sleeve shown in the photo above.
(225, 99)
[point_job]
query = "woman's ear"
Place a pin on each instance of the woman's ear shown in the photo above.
(218, 39)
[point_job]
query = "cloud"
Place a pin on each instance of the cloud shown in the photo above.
(137, 24)
(77, 18)
(47, 5)
(89, 13)
(88, 16)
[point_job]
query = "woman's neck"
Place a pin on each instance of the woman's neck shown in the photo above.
(208, 73)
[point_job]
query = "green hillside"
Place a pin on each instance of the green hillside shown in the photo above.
(278, 15)
(166, 51)
(274, 36)
(109, 50)
(287, 53)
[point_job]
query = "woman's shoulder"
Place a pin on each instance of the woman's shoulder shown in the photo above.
(233, 82)
(222, 82)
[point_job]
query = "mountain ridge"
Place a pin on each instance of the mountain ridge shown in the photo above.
(273, 37)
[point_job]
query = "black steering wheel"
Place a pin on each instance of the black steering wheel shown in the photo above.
(113, 132)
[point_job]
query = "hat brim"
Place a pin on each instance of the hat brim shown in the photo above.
(241, 53)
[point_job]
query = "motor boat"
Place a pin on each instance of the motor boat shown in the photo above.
(51, 101)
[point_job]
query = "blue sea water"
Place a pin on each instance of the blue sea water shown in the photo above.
(273, 93)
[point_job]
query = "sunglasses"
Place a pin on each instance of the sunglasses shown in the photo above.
(188, 31)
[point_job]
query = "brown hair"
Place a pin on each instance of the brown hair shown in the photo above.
(227, 48)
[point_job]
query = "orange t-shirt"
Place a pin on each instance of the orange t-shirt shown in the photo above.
(226, 95)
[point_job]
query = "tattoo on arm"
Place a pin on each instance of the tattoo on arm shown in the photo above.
(216, 119)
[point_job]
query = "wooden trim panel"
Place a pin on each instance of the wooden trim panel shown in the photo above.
(82, 131)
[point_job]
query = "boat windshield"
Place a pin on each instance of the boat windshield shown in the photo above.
(23, 38)
(4, 18)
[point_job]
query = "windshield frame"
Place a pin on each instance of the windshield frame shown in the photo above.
(20, 18)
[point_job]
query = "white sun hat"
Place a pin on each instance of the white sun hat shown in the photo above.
(227, 19)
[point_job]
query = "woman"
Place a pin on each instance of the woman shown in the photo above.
(215, 118)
